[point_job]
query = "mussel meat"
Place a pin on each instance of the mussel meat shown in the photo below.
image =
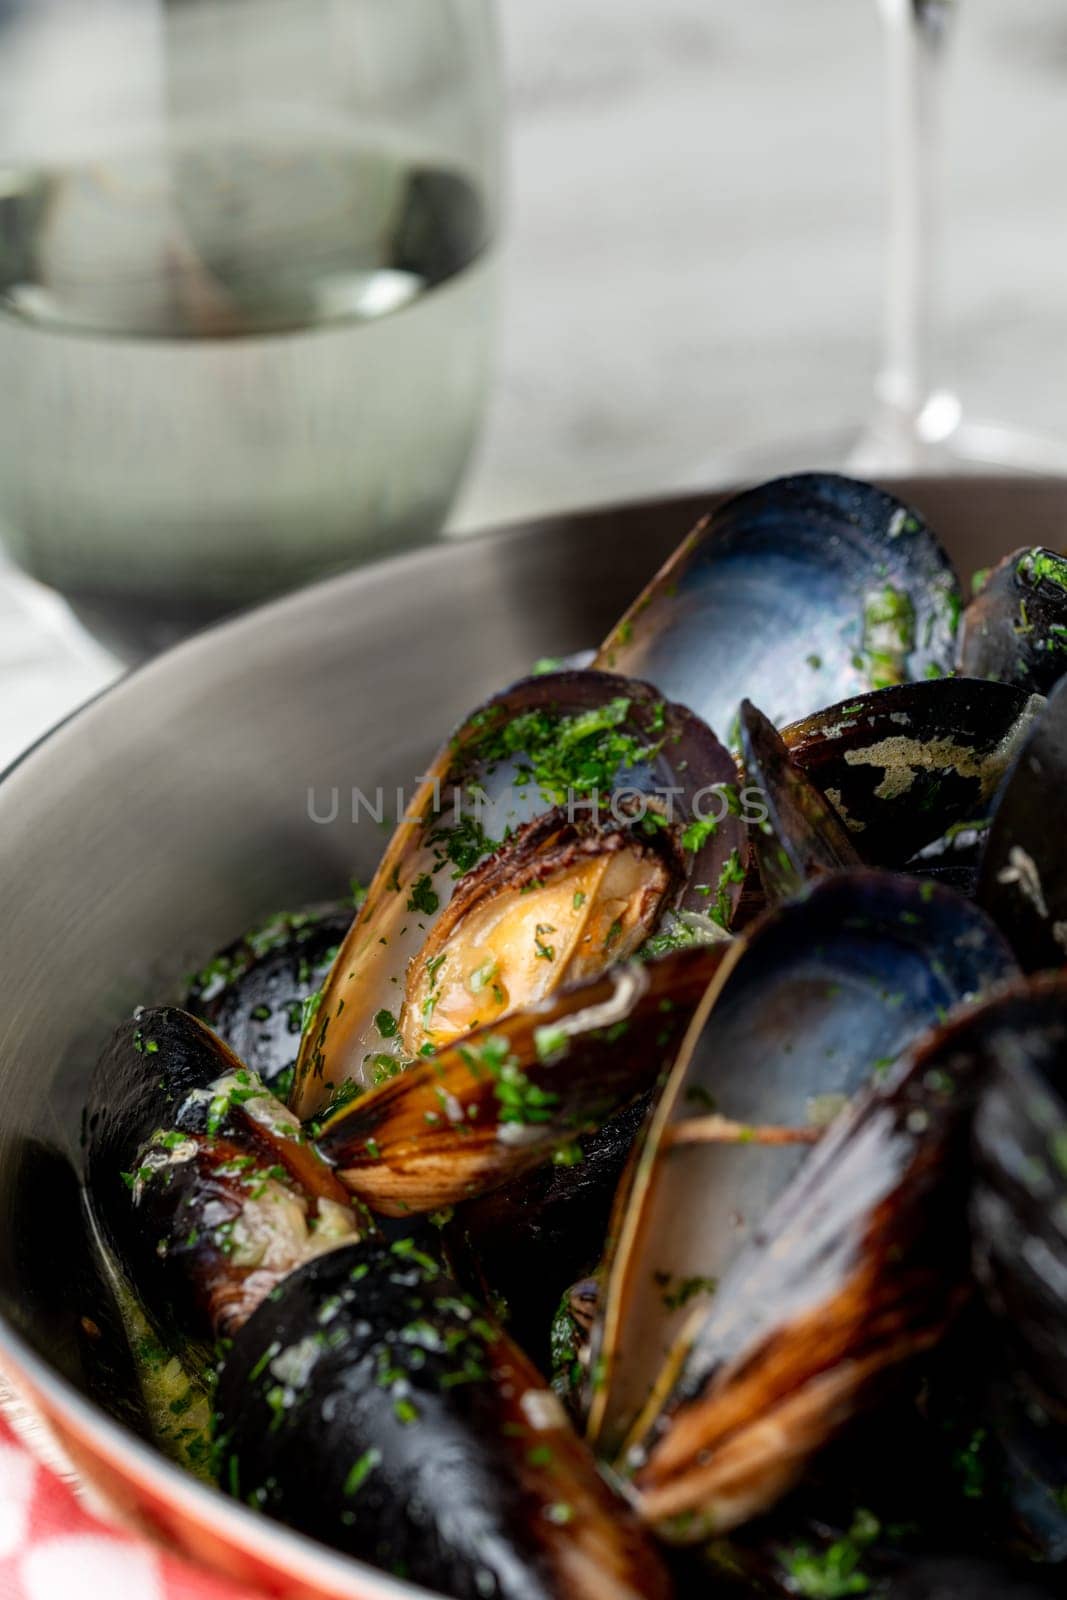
(556, 830)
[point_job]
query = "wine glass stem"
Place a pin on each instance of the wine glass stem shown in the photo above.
(915, 40)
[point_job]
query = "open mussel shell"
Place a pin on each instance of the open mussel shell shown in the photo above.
(484, 1111)
(205, 1188)
(560, 824)
(858, 1267)
(802, 836)
(253, 993)
(819, 997)
(1023, 879)
(794, 594)
(1019, 1219)
(904, 766)
(372, 1404)
(1015, 629)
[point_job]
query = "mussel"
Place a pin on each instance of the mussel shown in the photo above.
(859, 1266)
(1019, 1218)
(802, 835)
(569, 1337)
(1023, 879)
(205, 1187)
(373, 1404)
(818, 999)
(904, 766)
(558, 828)
(796, 594)
(253, 994)
(485, 1110)
(1015, 629)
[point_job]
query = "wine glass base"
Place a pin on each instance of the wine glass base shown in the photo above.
(940, 439)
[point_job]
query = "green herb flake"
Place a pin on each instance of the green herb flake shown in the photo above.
(424, 896)
(697, 834)
(361, 1470)
(549, 1041)
(386, 1024)
(835, 1572)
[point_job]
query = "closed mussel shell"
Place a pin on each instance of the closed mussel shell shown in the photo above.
(374, 1405)
(253, 994)
(905, 765)
(204, 1186)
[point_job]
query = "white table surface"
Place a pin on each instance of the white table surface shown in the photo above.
(692, 266)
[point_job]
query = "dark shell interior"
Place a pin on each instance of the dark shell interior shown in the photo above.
(795, 594)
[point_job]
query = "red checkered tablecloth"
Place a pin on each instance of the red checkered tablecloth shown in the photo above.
(55, 1546)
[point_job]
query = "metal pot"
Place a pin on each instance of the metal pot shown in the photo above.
(188, 802)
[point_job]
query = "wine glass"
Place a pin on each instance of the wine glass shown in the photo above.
(917, 426)
(246, 263)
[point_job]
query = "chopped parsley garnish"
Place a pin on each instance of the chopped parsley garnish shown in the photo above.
(835, 1572)
(518, 1100)
(549, 1041)
(888, 635)
(698, 833)
(424, 896)
(1042, 566)
(565, 755)
(464, 845)
(733, 872)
